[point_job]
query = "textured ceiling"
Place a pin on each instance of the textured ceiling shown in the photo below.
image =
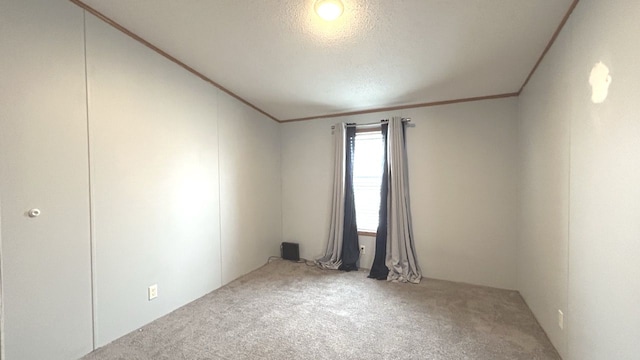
(280, 57)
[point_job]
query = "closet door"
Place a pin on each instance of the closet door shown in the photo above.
(46, 254)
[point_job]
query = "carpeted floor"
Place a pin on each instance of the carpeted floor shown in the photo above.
(288, 310)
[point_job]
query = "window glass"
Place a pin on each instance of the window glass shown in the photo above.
(367, 178)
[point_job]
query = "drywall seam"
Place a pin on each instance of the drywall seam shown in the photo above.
(219, 187)
(281, 188)
(92, 245)
(567, 313)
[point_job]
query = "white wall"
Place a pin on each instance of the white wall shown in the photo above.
(463, 182)
(602, 319)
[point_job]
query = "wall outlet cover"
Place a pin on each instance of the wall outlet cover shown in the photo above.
(153, 291)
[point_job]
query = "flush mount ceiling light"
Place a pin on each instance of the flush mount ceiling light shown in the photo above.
(329, 10)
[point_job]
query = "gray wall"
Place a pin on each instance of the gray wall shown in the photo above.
(544, 133)
(46, 275)
(250, 194)
(579, 247)
(463, 177)
(154, 179)
(185, 182)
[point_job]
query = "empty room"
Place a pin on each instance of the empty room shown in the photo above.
(319, 179)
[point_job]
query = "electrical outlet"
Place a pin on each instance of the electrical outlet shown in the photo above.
(560, 319)
(362, 250)
(153, 291)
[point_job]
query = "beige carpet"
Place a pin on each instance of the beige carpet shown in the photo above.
(288, 310)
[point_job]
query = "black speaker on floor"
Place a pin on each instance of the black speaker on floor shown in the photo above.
(290, 251)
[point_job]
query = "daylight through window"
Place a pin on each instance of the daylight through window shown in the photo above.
(367, 178)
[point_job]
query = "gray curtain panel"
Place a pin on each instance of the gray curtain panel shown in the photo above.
(333, 255)
(401, 254)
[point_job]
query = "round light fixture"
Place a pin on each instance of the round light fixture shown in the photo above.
(329, 10)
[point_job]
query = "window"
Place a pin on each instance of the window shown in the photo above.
(368, 161)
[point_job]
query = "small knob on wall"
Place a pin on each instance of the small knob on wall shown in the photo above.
(34, 213)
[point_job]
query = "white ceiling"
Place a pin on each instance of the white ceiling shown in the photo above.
(280, 57)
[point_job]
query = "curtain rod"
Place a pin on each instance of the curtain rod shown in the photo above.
(383, 121)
